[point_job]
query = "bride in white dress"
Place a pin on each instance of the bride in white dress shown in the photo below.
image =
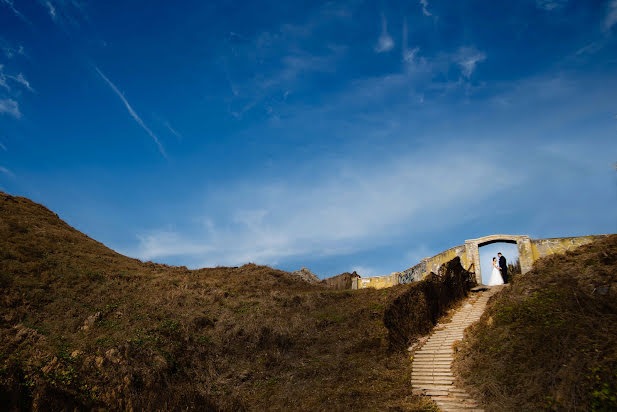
(495, 278)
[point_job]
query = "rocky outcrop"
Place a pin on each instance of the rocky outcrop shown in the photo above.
(306, 275)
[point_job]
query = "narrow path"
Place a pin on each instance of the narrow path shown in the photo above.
(431, 366)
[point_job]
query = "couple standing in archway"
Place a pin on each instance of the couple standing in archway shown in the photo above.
(499, 274)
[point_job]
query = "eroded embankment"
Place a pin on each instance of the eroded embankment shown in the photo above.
(550, 340)
(417, 309)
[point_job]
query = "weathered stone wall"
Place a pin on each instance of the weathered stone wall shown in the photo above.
(529, 250)
(414, 273)
(343, 281)
(432, 264)
(545, 247)
(378, 282)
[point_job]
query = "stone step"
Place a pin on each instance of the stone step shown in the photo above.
(422, 355)
(431, 373)
(422, 382)
(420, 372)
(454, 406)
(432, 387)
(433, 363)
(417, 377)
(449, 393)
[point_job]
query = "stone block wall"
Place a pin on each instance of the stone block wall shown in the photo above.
(529, 250)
(545, 247)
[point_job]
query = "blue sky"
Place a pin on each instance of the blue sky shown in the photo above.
(337, 135)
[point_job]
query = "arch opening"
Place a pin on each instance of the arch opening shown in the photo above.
(488, 250)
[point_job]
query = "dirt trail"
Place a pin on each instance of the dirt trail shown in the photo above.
(431, 367)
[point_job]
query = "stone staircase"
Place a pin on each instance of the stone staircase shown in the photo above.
(431, 367)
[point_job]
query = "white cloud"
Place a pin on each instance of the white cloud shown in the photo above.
(10, 52)
(10, 107)
(424, 4)
(384, 42)
(132, 112)
(408, 54)
(21, 80)
(52, 10)
(348, 211)
(3, 147)
(550, 4)
(467, 58)
(168, 243)
(172, 130)
(611, 16)
(10, 5)
(6, 171)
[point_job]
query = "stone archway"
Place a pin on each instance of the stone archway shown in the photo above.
(525, 254)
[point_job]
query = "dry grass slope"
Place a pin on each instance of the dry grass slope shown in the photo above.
(550, 341)
(84, 327)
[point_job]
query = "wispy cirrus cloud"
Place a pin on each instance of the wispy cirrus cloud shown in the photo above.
(172, 130)
(424, 4)
(10, 107)
(11, 6)
(611, 15)
(11, 52)
(408, 54)
(22, 81)
(291, 219)
(6, 171)
(132, 112)
(385, 42)
(550, 4)
(467, 58)
(3, 147)
(52, 10)
(65, 13)
(19, 79)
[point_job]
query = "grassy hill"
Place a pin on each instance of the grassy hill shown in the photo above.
(549, 342)
(84, 327)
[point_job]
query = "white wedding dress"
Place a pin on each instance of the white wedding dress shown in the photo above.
(495, 278)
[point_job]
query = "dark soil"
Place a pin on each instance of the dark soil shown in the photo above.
(83, 327)
(549, 342)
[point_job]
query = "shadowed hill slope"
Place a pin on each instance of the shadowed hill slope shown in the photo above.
(549, 341)
(82, 326)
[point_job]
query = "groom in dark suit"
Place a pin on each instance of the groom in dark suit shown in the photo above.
(503, 265)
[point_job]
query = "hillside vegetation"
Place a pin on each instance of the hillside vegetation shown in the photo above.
(549, 342)
(84, 327)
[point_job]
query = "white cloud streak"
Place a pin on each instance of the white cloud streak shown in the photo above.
(172, 130)
(10, 107)
(11, 52)
(384, 42)
(424, 4)
(10, 5)
(550, 5)
(350, 210)
(132, 112)
(408, 55)
(51, 9)
(6, 171)
(19, 79)
(467, 58)
(611, 16)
